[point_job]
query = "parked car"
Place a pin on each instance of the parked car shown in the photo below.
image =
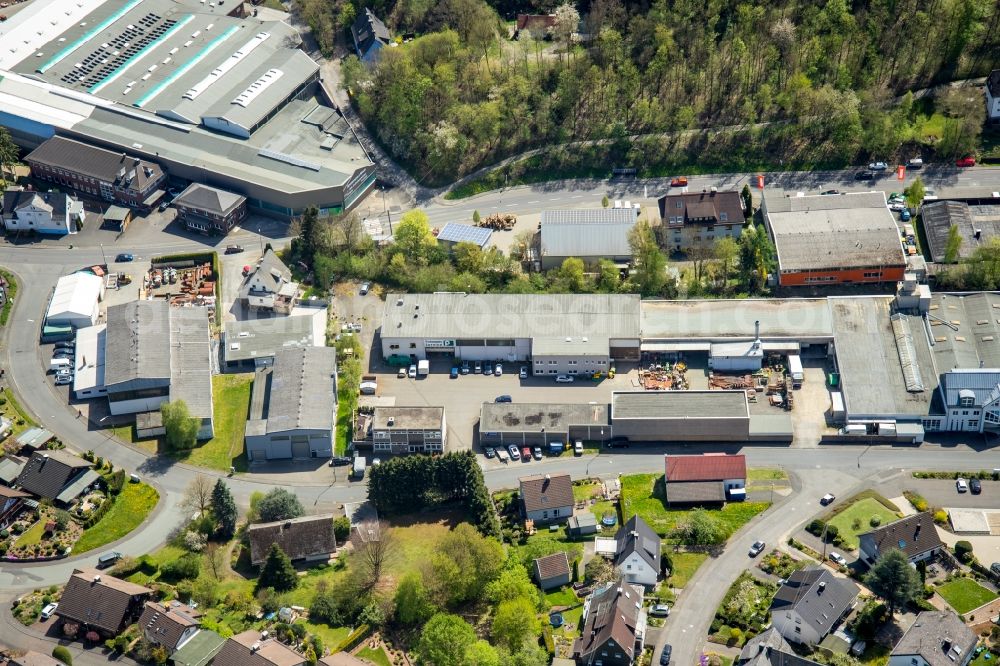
(365, 288)
(412, 372)
(522, 373)
(526, 453)
(514, 453)
(234, 249)
(975, 486)
(838, 558)
(63, 353)
(757, 548)
(62, 380)
(402, 373)
(479, 367)
(578, 448)
(679, 181)
(536, 453)
(65, 344)
(665, 655)
(490, 452)
(498, 370)
(454, 372)
(465, 367)
(502, 455)
(107, 559)
(827, 499)
(124, 257)
(659, 610)
(827, 192)
(877, 166)
(961, 485)
(617, 443)
(864, 175)
(995, 569)
(163, 205)
(915, 163)
(503, 398)
(897, 206)
(487, 368)
(48, 611)
(965, 162)
(564, 379)
(905, 215)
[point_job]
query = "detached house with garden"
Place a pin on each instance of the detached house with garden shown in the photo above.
(916, 536)
(96, 602)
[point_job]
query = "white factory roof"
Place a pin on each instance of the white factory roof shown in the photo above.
(89, 364)
(76, 294)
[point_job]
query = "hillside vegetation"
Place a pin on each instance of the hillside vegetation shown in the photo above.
(794, 81)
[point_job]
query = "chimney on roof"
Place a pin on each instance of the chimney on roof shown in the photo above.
(254, 647)
(946, 643)
(916, 532)
(97, 578)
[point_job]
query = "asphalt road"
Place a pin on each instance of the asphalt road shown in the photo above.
(828, 469)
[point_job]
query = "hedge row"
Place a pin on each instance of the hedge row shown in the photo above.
(353, 639)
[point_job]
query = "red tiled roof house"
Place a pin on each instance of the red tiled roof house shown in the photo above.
(711, 478)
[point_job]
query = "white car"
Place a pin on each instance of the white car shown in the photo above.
(48, 611)
(402, 373)
(523, 374)
(897, 206)
(578, 448)
(961, 485)
(412, 372)
(564, 379)
(757, 548)
(838, 558)
(498, 370)
(514, 453)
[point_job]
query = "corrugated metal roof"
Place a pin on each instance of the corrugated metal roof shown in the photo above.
(678, 404)
(139, 334)
(796, 318)
(262, 338)
(190, 360)
(465, 233)
(303, 390)
(595, 233)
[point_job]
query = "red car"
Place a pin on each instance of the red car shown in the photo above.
(680, 181)
(966, 162)
(526, 454)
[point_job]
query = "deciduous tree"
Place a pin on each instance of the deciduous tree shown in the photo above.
(181, 429)
(514, 622)
(279, 504)
(894, 580)
(445, 639)
(198, 494)
(953, 245)
(649, 262)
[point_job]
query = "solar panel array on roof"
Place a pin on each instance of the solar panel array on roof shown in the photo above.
(110, 56)
(459, 233)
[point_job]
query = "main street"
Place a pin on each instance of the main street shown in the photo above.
(816, 471)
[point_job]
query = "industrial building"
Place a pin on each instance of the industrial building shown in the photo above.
(553, 426)
(399, 430)
(695, 220)
(833, 239)
(75, 301)
(253, 343)
(975, 223)
(52, 213)
(159, 354)
(590, 235)
(293, 406)
(561, 334)
(186, 89)
(689, 416)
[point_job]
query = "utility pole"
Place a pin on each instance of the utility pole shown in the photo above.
(385, 207)
(102, 255)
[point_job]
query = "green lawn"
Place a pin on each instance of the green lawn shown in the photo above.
(231, 397)
(32, 535)
(12, 410)
(766, 474)
(564, 596)
(377, 656)
(856, 519)
(331, 636)
(642, 494)
(685, 566)
(982, 660)
(131, 507)
(965, 594)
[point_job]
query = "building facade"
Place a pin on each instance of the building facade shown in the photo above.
(695, 220)
(269, 286)
(590, 235)
(547, 498)
(52, 213)
(210, 210)
(936, 638)
(811, 604)
(637, 555)
(399, 430)
(915, 536)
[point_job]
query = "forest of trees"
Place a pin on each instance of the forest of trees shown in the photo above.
(833, 74)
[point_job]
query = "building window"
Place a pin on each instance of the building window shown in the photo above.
(974, 423)
(798, 630)
(555, 513)
(965, 412)
(679, 205)
(966, 402)
(393, 346)
(413, 345)
(723, 217)
(873, 274)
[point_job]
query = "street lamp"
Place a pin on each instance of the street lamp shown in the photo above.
(385, 207)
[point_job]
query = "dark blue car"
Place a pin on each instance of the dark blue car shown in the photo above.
(454, 372)
(124, 256)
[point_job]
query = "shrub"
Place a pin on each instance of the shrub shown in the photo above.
(185, 567)
(832, 533)
(341, 528)
(940, 516)
(61, 653)
(918, 502)
(963, 551)
(856, 524)
(875, 521)
(815, 527)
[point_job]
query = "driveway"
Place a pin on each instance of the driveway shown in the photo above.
(941, 493)
(692, 614)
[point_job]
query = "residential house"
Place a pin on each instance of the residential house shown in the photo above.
(309, 538)
(112, 176)
(209, 209)
(401, 430)
(993, 96)
(937, 638)
(32, 658)
(370, 36)
(170, 626)
(251, 648)
(706, 478)
(199, 650)
(56, 475)
(614, 626)
(769, 648)
(811, 604)
(590, 235)
(582, 524)
(552, 570)
(548, 498)
(970, 398)
(539, 26)
(914, 535)
(12, 502)
(293, 406)
(695, 220)
(269, 286)
(101, 603)
(637, 554)
(53, 213)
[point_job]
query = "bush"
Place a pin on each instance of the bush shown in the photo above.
(832, 533)
(550, 645)
(875, 521)
(963, 551)
(62, 654)
(940, 516)
(815, 527)
(341, 528)
(918, 502)
(185, 567)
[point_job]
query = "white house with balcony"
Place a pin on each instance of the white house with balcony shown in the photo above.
(269, 286)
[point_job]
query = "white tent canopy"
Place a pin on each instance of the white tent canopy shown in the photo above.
(75, 301)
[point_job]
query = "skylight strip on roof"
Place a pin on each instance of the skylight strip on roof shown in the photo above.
(257, 87)
(226, 65)
(88, 36)
(141, 54)
(186, 67)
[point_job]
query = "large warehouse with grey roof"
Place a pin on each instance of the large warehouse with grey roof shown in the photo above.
(231, 102)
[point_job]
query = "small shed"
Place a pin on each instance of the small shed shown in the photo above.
(118, 217)
(582, 524)
(552, 570)
(149, 424)
(34, 438)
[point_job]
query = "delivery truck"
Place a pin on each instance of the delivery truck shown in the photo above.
(795, 370)
(423, 368)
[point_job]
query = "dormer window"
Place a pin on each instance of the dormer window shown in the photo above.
(966, 402)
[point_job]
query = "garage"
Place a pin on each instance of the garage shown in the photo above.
(300, 447)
